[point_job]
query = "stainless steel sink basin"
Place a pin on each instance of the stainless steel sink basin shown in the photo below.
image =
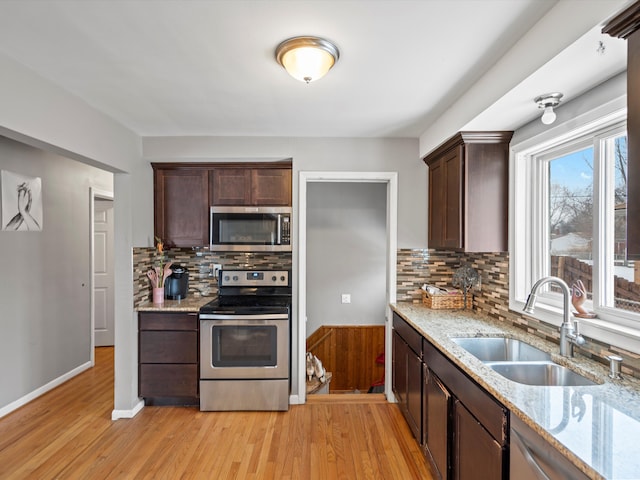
(500, 349)
(520, 362)
(540, 373)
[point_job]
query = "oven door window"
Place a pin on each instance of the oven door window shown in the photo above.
(244, 346)
(234, 229)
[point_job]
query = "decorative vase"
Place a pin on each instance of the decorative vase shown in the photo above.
(158, 295)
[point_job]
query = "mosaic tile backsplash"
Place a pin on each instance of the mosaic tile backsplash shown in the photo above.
(199, 264)
(419, 266)
(414, 268)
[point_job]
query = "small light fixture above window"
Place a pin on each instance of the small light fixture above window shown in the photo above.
(307, 58)
(547, 102)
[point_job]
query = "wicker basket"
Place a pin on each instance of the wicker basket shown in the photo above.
(444, 301)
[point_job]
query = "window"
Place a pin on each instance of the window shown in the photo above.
(569, 220)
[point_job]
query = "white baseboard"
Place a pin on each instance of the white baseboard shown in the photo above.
(295, 400)
(118, 414)
(44, 389)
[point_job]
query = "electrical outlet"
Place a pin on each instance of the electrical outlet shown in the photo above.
(346, 298)
(215, 268)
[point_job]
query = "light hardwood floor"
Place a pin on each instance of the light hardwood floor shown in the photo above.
(68, 433)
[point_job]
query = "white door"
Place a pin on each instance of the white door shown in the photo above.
(103, 272)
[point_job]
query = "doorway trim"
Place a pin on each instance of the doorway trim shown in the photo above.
(391, 180)
(94, 193)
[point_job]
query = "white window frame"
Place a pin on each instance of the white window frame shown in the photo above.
(528, 247)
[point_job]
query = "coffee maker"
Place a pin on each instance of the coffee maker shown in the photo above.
(176, 285)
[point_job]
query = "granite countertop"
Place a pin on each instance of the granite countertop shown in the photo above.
(189, 304)
(595, 427)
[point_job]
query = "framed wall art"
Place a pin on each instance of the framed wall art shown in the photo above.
(21, 202)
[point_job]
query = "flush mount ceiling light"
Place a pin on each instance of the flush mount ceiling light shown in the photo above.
(307, 58)
(547, 102)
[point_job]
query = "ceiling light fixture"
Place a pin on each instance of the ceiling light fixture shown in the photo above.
(307, 58)
(547, 102)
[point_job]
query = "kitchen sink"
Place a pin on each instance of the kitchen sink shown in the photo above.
(548, 374)
(501, 349)
(520, 362)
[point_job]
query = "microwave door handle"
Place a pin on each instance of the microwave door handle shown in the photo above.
(279, 235)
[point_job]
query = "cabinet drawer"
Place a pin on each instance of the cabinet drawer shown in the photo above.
(482, 405)
(168, 321)
(408, 334)
(168, 347)
(168, 380)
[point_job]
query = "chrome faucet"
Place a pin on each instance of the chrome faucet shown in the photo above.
(569, 334)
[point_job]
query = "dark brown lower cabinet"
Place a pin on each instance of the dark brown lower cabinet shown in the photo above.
(168, 358)
(399, 368)
(414, 393)
(168, 380)
(465, 427)
(437, 404)
(476, 454)
(407, 374)
(462, 428)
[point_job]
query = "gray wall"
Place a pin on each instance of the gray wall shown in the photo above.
(308, 154)
(610, 92)
(38, 113)
(45, 329)
(346, 253)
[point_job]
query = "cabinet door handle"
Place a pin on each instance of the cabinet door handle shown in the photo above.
(528, 455)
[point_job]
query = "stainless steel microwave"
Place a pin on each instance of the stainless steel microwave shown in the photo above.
(250, 229)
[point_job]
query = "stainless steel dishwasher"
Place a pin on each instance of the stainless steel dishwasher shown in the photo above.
(533, 458)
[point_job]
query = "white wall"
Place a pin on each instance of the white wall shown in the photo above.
(46, 277)
(346, 253)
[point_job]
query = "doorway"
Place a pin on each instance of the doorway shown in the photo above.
(389, 179)
(102, 266)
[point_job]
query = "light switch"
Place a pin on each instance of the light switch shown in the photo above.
(346, 298)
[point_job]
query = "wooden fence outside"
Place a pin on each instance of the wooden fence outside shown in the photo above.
(626, 293)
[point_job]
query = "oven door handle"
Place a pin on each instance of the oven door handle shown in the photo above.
(264, 316)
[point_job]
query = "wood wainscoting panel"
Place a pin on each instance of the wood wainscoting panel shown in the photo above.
(350, 353)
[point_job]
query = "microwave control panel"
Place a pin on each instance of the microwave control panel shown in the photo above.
(286, 231)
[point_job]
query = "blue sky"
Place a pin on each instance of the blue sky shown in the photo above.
(572, 170)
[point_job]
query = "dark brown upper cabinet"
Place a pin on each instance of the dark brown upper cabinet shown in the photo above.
(181, 205)
(183, 193)
(469, 192)
(627, 25)
(251, 186)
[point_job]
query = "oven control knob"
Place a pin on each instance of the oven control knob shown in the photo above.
(235, 278)
(226, 278)
(282, 279)
(274, 278)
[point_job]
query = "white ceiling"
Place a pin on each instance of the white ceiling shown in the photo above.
(189, 67)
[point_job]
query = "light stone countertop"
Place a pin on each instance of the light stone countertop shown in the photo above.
(596, 427)
(189, 304)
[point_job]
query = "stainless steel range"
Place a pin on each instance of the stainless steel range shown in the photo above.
(245, 342)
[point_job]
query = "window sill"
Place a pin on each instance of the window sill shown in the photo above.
(604, 331)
